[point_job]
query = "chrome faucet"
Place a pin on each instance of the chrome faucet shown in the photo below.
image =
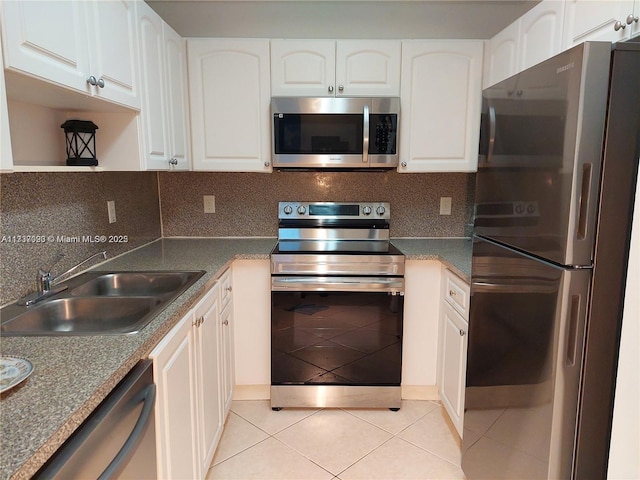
(45, 281)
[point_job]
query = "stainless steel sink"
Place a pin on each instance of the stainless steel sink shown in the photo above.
(99, 303)
(134, 284)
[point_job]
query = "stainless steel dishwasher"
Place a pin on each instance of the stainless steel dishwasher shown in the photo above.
(118, 438)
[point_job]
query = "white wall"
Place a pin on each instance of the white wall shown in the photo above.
(624, 462)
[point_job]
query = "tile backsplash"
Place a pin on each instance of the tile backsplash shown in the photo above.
(246, 204)
(46, 213)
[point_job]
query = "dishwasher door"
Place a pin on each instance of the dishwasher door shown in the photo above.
(118, 438)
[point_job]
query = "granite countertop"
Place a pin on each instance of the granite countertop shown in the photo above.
(72, 375)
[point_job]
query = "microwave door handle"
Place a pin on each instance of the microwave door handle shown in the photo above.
(365, 135)
(492, 132)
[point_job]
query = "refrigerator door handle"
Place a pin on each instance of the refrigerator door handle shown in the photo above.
(492, 132)
(572, 335)
(585, 200)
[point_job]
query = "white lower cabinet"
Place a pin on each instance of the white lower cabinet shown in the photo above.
(452, 362)
(174, 372)
(193, 371)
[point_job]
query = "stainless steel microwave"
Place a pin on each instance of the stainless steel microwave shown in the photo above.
(335, 133)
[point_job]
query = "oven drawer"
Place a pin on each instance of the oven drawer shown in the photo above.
(337, 284)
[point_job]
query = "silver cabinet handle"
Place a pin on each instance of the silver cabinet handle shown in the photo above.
(341, 88)
(492, 133)
(225, 323)
(404, 164)
(452, 293)
(92, 81)
(462, 333)
(101, 82)
(199, 321)
(330, 88)
(173, 161)
(228, 289)
(619, 26)
(267, 164)
(631, 19)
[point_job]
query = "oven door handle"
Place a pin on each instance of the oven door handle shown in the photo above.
(394, 285)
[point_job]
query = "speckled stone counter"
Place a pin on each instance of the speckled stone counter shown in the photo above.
(72, 375)
(455, 253)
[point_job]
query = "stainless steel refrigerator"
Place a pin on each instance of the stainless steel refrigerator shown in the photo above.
(554, 197)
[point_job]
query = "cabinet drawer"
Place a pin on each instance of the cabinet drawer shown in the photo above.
(456, 293)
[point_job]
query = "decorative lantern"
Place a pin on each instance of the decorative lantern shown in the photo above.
(81, 142)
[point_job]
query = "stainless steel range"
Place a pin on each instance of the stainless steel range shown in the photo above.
(337, 291)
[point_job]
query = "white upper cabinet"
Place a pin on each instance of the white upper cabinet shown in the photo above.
(229, 103)
(540, 33)
(600, 20)
(327, 68)
(531, 39)
(113, 56)
(87, 46)
(6, 154)
(305, 68)
(441, 96)
(164, 93)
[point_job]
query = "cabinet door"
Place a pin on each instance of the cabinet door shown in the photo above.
(501, 60)
(6, 152)
(540, 33)
(595, 20)
(368, 67)
(113, 56)
(154, 109)
(229, 104)
(174, 374)
(176, 82)
(453, 364)
(47, 40)
(304, 68)
(226, 358)
(210, 413)
(440, 108)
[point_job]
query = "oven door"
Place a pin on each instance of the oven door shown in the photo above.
(340, 331)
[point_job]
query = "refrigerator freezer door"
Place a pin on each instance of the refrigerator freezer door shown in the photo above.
(526, 331)
(540, 153)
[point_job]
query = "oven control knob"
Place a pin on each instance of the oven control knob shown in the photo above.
(366, 210)
(302, 210)
(380, 210)
(288, 209)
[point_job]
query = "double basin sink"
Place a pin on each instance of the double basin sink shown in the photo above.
(99, 303)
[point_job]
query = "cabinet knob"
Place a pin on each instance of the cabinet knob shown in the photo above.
(101, 82)
(225, 322)
(631, 19)
(92, 81)
(404, 164)
(267, 164)
(619, 26)
(173, 161)
(330, 88)
(198, 321)
(452, 293)
(228, 289)
(462, 333)
(341, 88)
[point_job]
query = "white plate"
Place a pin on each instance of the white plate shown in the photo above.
(13, 370)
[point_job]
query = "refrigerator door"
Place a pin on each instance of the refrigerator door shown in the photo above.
(540, 153)
(526, 333)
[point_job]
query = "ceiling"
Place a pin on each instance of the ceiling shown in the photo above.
(478, 19)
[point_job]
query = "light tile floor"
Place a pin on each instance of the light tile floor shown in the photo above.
(416, 443)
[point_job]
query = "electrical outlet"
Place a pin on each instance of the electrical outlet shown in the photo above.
(111, 210)
(445, 205)
(209, 203)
